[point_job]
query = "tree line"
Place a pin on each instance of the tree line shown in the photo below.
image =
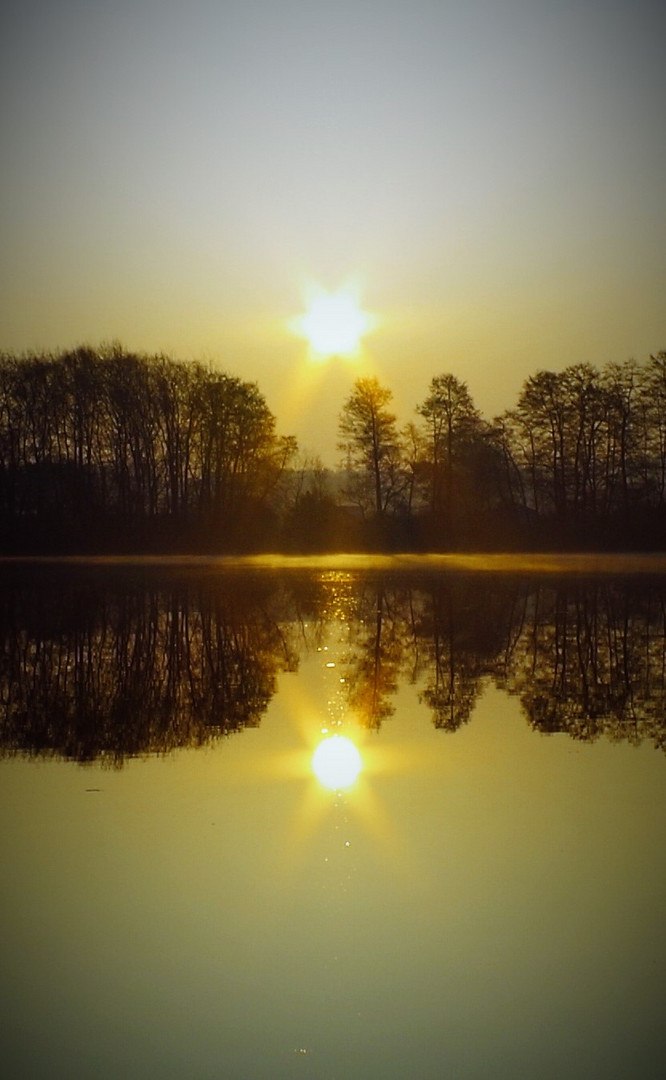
(110, 448)
(105, 449)
(579, 461)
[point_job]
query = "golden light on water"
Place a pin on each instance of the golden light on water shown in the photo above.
(337, 762)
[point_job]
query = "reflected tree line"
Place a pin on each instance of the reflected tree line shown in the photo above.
(93, 669)
(109, 450)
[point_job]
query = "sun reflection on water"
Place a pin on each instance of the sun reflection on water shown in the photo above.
(341, 766)
(337, 762)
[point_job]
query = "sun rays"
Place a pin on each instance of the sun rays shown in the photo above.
(334, 324)
(337, 762)
(334, 328)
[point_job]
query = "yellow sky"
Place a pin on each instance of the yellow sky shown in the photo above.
(491, 174)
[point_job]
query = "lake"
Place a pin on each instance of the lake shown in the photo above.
(475, 888)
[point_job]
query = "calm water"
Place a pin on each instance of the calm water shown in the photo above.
(183, 898)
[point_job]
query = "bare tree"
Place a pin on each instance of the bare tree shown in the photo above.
(370, 445)
(451, 423)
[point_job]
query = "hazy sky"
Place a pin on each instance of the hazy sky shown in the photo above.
(493, 173)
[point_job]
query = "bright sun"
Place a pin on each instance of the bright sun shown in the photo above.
(334, 324)
(336, 762)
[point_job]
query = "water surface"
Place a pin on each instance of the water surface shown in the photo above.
(183, 897)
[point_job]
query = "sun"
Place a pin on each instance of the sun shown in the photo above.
(336, 762)
(333, 324)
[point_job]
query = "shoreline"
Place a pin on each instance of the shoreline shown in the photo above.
(476, 562)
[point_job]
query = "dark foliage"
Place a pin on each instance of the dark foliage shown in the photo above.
(109, 451)
(109, 663)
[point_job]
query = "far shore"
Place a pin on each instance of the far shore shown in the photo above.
(476, 562)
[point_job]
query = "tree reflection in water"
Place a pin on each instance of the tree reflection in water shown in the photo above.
(110, 669)
(590, 661)
(117, 663)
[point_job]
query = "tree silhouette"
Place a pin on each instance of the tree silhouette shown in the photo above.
(370, 446)
(105, 448)
(109, 450)
(451, 423)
